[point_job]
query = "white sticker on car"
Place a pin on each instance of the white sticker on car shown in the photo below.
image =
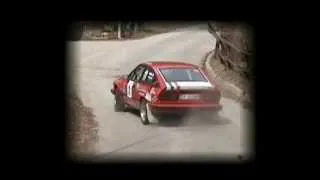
(129, 88)
(186, 85)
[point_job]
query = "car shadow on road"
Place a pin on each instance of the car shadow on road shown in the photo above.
(134, 112)
(190, 119)
(161, 121)
(193, 120)
(170, 121)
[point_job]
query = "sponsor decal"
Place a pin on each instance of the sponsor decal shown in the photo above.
(198, 85)
(150, 76)
(189, 85)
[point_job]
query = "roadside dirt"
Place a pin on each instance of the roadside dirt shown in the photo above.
(82, 128)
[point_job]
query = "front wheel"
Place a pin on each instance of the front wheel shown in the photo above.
(144, 113)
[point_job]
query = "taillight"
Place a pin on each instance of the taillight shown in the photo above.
(168, 95)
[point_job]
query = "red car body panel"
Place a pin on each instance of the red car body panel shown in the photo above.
(135, 91)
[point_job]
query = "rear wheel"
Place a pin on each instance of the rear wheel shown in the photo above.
(119, 105)
(146, 115)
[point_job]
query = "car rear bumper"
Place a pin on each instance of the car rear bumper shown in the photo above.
(182, 108)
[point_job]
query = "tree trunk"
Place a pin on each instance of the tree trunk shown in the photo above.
(119, 30)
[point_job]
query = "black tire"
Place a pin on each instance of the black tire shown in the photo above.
(119, 105)
(144, 115)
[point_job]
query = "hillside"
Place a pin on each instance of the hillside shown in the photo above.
(233, 58)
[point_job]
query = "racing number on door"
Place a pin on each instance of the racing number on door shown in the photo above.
(129, 89)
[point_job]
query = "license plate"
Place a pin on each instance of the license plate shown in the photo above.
(189, 96)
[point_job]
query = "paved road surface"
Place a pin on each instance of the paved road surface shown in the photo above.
(121, 134)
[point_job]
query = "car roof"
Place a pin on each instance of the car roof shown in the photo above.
(168, 64)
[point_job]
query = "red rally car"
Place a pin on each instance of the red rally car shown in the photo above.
(160, 87)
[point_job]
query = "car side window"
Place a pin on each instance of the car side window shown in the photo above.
(148, 76)
(139, 73)
(131, 75)
(145, 75)
(136, 73)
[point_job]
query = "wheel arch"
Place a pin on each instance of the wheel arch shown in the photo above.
(141, 98)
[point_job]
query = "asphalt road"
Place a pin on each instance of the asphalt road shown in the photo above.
(121, 135)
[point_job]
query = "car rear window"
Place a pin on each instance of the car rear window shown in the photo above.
(182, 74)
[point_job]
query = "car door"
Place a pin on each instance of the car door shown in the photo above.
(131, 88)
(145, 85)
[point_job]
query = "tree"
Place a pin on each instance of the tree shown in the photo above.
(119, 30)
